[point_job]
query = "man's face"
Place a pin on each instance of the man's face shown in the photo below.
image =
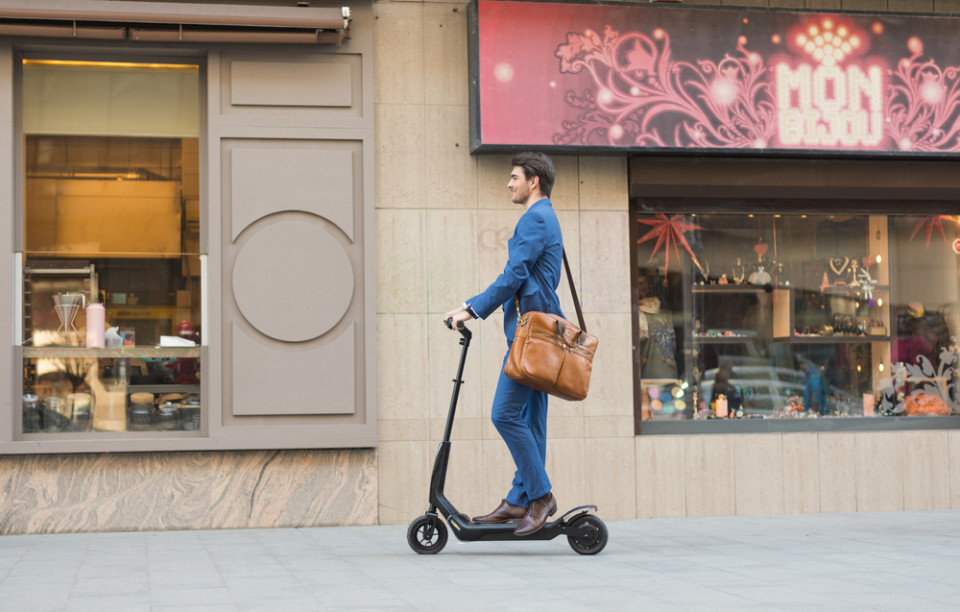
(519, 186)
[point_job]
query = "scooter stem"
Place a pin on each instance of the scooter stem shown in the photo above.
(465, 343)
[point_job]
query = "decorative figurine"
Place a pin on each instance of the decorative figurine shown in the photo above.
(739, 272)
(759, 276)
(723, 279)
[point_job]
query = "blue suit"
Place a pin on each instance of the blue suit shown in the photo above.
(519, 412)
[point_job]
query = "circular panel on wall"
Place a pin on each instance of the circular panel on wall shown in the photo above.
(293, 281)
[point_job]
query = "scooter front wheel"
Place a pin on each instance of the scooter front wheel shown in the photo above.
(427, 535)
(588, 535)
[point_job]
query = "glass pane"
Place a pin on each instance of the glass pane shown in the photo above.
(111, 262)
(761, 316)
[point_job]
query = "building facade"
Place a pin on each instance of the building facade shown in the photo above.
(322, 368)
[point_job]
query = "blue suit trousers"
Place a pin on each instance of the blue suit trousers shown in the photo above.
(520, 415)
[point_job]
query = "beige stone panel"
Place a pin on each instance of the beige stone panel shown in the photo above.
(788, 4)
(498, 470)
(758, 474)
(610, 466)
(401, 261)
(450, 172)
(838, 472)
(404, 430)
(190, 490)
(709, 474)
(570, 226)
(824, 4)
(493, 174)
(608, 426)
(443, 361)
(565, 421)
(910, 6)
(492, 351)
(494, 229)
(567, 471)
(404, 479)
(873, 6)
(463, 428)
(611, 381)
(463, 474)
(445, 62)
(402, 389)
(953, 444)
(926, 470)
(605, 262)
(879, 461)
(661, 477)
(398, 52)
(603, 183)
(451, 259)
(801, 473)
(294, 488)
(401, 154)
(947, 7)
(566, 189)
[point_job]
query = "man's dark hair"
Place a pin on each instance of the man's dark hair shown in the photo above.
(537, 164)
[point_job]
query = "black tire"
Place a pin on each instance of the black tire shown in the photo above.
(427, 535)
(587, 535)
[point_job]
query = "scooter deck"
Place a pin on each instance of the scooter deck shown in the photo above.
(468, 531)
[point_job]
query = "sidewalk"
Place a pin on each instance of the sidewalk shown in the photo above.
(900, 562)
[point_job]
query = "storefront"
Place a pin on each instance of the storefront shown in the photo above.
(321, 191)
(190, 188)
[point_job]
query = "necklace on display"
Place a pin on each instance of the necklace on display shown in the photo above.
(839, 264)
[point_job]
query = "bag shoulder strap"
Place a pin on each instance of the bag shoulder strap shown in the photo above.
(573, 292)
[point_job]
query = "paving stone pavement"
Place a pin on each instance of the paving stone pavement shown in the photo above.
(898, 561)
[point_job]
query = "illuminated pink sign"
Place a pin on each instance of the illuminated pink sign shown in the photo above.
(665, 77)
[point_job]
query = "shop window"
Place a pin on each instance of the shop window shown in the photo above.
(802, 320)
(110, 257)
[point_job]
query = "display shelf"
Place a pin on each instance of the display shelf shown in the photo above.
(161, 388)
(740, 340)
(832, 339)
(735, 288)
(133, 352)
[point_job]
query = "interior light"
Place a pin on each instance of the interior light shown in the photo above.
(88, 64)
(858, 367)
(879, 258)
(881, 367)
(880, 302)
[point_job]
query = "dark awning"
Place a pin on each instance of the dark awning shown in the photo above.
(177, 22)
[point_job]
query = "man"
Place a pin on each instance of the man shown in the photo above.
(535, 254)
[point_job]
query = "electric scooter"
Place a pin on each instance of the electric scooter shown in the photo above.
(427, 534)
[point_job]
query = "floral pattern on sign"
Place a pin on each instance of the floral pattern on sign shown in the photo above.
(724, 104)
(641, 96)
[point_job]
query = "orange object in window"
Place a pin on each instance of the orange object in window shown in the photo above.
(925, 404)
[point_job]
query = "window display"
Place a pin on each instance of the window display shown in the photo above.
(786, 316)
(110, 258)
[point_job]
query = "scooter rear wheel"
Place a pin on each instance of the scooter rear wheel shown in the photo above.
(427, 535)
(588, 535)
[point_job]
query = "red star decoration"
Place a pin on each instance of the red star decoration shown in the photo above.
(669, 232)
(928, 224)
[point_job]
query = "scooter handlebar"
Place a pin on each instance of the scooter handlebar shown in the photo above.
(460, 328)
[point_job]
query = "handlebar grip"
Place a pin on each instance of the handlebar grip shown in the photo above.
(460, 327)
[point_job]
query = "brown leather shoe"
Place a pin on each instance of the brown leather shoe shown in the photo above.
(537, 514)
(504, 512)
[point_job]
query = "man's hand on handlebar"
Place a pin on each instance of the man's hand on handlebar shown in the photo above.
(456, 318)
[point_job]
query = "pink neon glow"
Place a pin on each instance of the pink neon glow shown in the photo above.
(828, 93)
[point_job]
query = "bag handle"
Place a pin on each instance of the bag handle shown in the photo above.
(573, 292)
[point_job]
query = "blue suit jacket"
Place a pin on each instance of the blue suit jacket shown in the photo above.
(532, 270)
